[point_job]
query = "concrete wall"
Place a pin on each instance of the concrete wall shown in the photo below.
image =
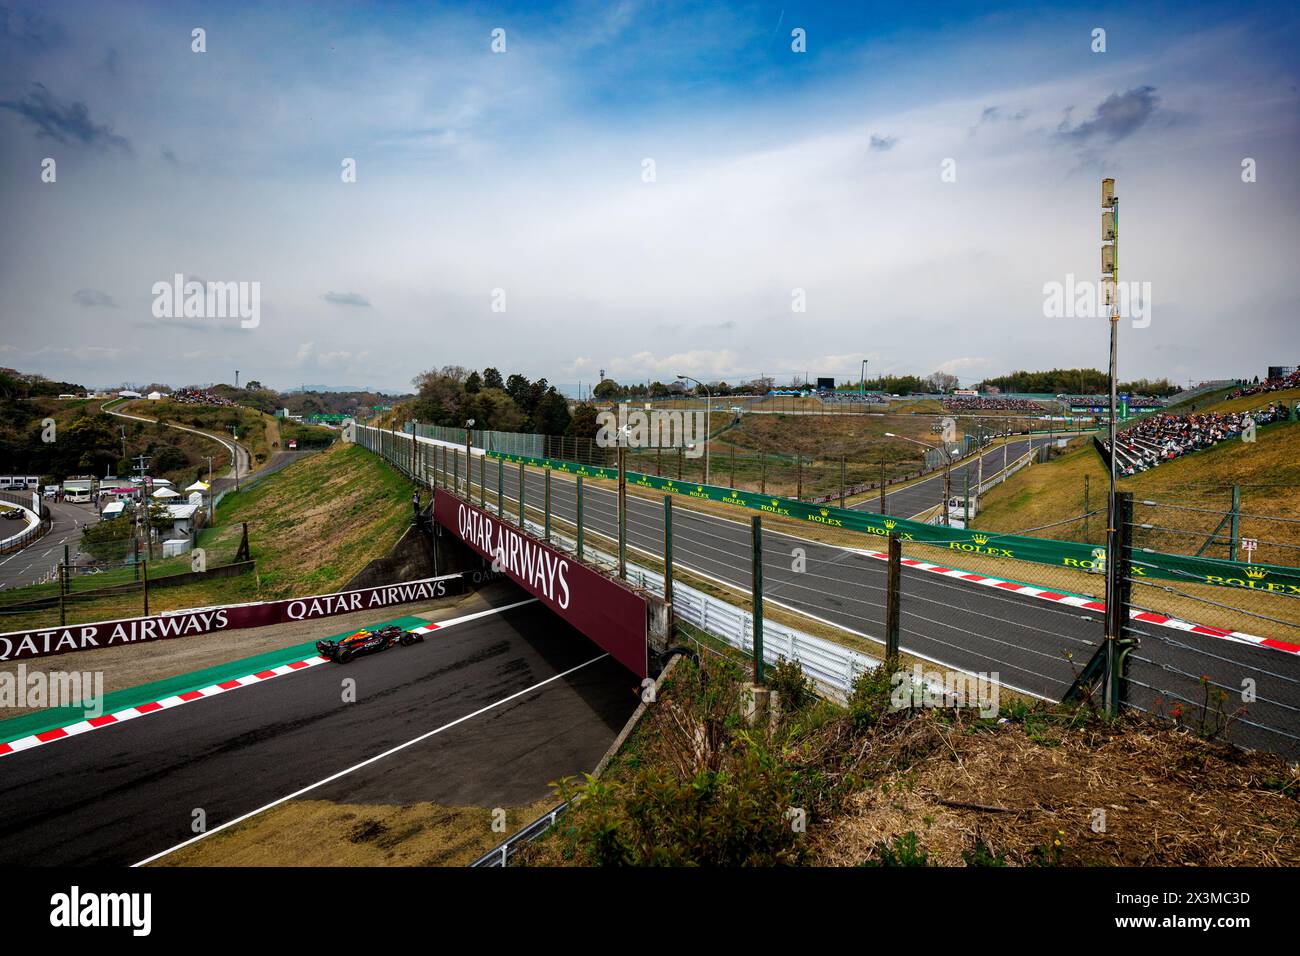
(423, 551)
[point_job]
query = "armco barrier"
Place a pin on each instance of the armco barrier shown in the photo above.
(32, 503)
(45, 642)
(612, 615)
(833, 666)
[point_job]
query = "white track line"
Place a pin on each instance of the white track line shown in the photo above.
(367, 762)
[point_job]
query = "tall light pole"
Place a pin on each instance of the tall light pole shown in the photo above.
(947, 464)
(862, 379)
(707, 416)
(1110, 286)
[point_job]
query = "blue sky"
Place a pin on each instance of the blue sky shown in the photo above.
(524, 171)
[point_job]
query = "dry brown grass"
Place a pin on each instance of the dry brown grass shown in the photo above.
(323, 833)
(1169, 798)
(1028, 786)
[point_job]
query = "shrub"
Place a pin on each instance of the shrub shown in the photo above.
(981, 855)
(869, 697)
(794, 687)
(903, 851)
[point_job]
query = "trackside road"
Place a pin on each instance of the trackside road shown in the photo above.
(923, 495)
(122, 794)
(33, 562)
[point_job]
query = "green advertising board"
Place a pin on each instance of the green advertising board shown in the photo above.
(1072, 555)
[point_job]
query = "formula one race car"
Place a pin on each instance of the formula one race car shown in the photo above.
(366, 642)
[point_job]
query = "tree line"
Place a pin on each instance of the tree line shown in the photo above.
(1075, 381)
(453, 394)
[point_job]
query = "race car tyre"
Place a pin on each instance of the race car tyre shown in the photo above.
(408, 639)
(345, 657)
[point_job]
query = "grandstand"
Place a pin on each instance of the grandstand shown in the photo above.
(1290, 380)
(1162, 438)
(992, 403)
(1099, 404)
(852, 398)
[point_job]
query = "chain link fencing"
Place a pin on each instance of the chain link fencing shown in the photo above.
(973, 606)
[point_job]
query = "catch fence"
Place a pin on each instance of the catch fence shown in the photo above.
(978, 603)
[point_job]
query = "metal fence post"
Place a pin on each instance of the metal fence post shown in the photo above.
(841, 481)
(668, 549)
(756, 595)
(1234, 553)
(622, 507)
(1118, 599)
(501, 487)
(893, 595)
(546, 503)
(469, 466)
(578, 515)
(521, 493)
(455, 471)
(1087, 508)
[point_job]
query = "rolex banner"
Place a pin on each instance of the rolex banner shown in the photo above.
(1068, 554)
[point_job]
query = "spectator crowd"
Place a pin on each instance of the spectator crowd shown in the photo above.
(991, 403)
(851, 398)
(1165, 437)
(1140, 402)
(196, 396)
(1270, 385)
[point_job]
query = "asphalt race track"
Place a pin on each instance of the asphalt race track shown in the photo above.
(923, 495)
(34, 561)
(965, 625)
(121, 794)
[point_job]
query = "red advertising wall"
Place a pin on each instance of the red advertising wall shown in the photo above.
(23, 645)
(610, 614)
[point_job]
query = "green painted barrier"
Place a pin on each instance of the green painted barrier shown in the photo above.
(1072, 555)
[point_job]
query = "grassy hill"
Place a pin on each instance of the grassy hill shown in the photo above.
(821, 439)
(312, 526)
(256, 431)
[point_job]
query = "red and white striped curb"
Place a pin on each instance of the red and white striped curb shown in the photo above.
(1092, 604)
(166, 703)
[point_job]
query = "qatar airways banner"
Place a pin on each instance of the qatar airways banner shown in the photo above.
(23, 645)
(611, 615)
